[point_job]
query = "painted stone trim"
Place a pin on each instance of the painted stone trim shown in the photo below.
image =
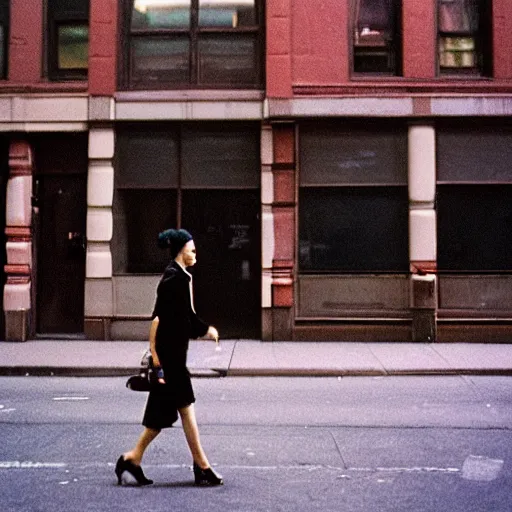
(422, 232)
(283, 212)
(17, 292)
(98, 263)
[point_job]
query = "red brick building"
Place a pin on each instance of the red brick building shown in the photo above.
(345, 166)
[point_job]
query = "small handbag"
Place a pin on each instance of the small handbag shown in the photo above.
(148, 375)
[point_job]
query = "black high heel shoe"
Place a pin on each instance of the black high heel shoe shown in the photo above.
(134, 470)
(207, 477)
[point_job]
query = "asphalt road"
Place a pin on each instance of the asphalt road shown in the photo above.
(282, 444)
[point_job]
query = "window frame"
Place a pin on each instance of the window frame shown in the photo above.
(5, 23)
(492, 182)
(482, 40)
(394, 182)
(193, 33)
(174, 192)
(58, 16)
(395, 43)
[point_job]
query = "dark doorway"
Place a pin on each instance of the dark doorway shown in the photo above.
(225, 226)
(61, 190)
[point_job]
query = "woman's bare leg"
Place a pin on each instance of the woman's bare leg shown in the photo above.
(147, 436)
(189, 422)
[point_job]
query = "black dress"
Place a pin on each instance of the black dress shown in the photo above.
(178, 323)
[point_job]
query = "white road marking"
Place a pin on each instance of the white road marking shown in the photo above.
(27, 464)
(70, 398)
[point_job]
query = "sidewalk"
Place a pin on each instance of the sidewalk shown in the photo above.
(257, 358)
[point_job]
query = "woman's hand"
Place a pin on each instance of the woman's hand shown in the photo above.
(213, 334)
(160, 375)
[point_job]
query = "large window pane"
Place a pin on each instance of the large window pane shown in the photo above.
(139, 215)
(194, 43)
(227, 13)
(474, 227)
(73, 46)
(353, 229)
(160, 167)
(161, 14)
(477, 152)
(221, 158)
(227, 59)
(376, 36)
(147, 158)
(352, 155)
(161, 59)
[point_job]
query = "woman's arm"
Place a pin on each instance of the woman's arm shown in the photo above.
(152, 340)
(152, 347)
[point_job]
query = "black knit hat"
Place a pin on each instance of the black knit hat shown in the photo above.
(173, 239)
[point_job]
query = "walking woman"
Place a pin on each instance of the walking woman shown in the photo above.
(174, 323)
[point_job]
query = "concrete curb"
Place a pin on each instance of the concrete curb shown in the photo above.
(63, 371)
(20, 371)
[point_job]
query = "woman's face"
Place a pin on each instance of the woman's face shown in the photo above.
(188, 254)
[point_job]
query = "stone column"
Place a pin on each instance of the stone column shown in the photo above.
(278, 230)
(98, 270)
(267, 231)
(423, 232)
(18, 288)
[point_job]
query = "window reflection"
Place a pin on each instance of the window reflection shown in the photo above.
(458, 15)
(225, 60)
(73, 46)
(458, 22)
(374, 22)
(375, 36)
(227, 13)
(195, 43)
(157, 59)
(161, 14)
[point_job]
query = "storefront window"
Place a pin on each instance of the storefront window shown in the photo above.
(474, 197)
(376, 36)
(194, 43)
(353, 205)
(165, 173)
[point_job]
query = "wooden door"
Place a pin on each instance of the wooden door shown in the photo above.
(60, 221)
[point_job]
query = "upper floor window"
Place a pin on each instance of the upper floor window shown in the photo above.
(376, 37)
(68, 39)
(463, 27)
(194, 43)
(4, 37)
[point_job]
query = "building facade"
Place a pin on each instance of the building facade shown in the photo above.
(345, 166)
